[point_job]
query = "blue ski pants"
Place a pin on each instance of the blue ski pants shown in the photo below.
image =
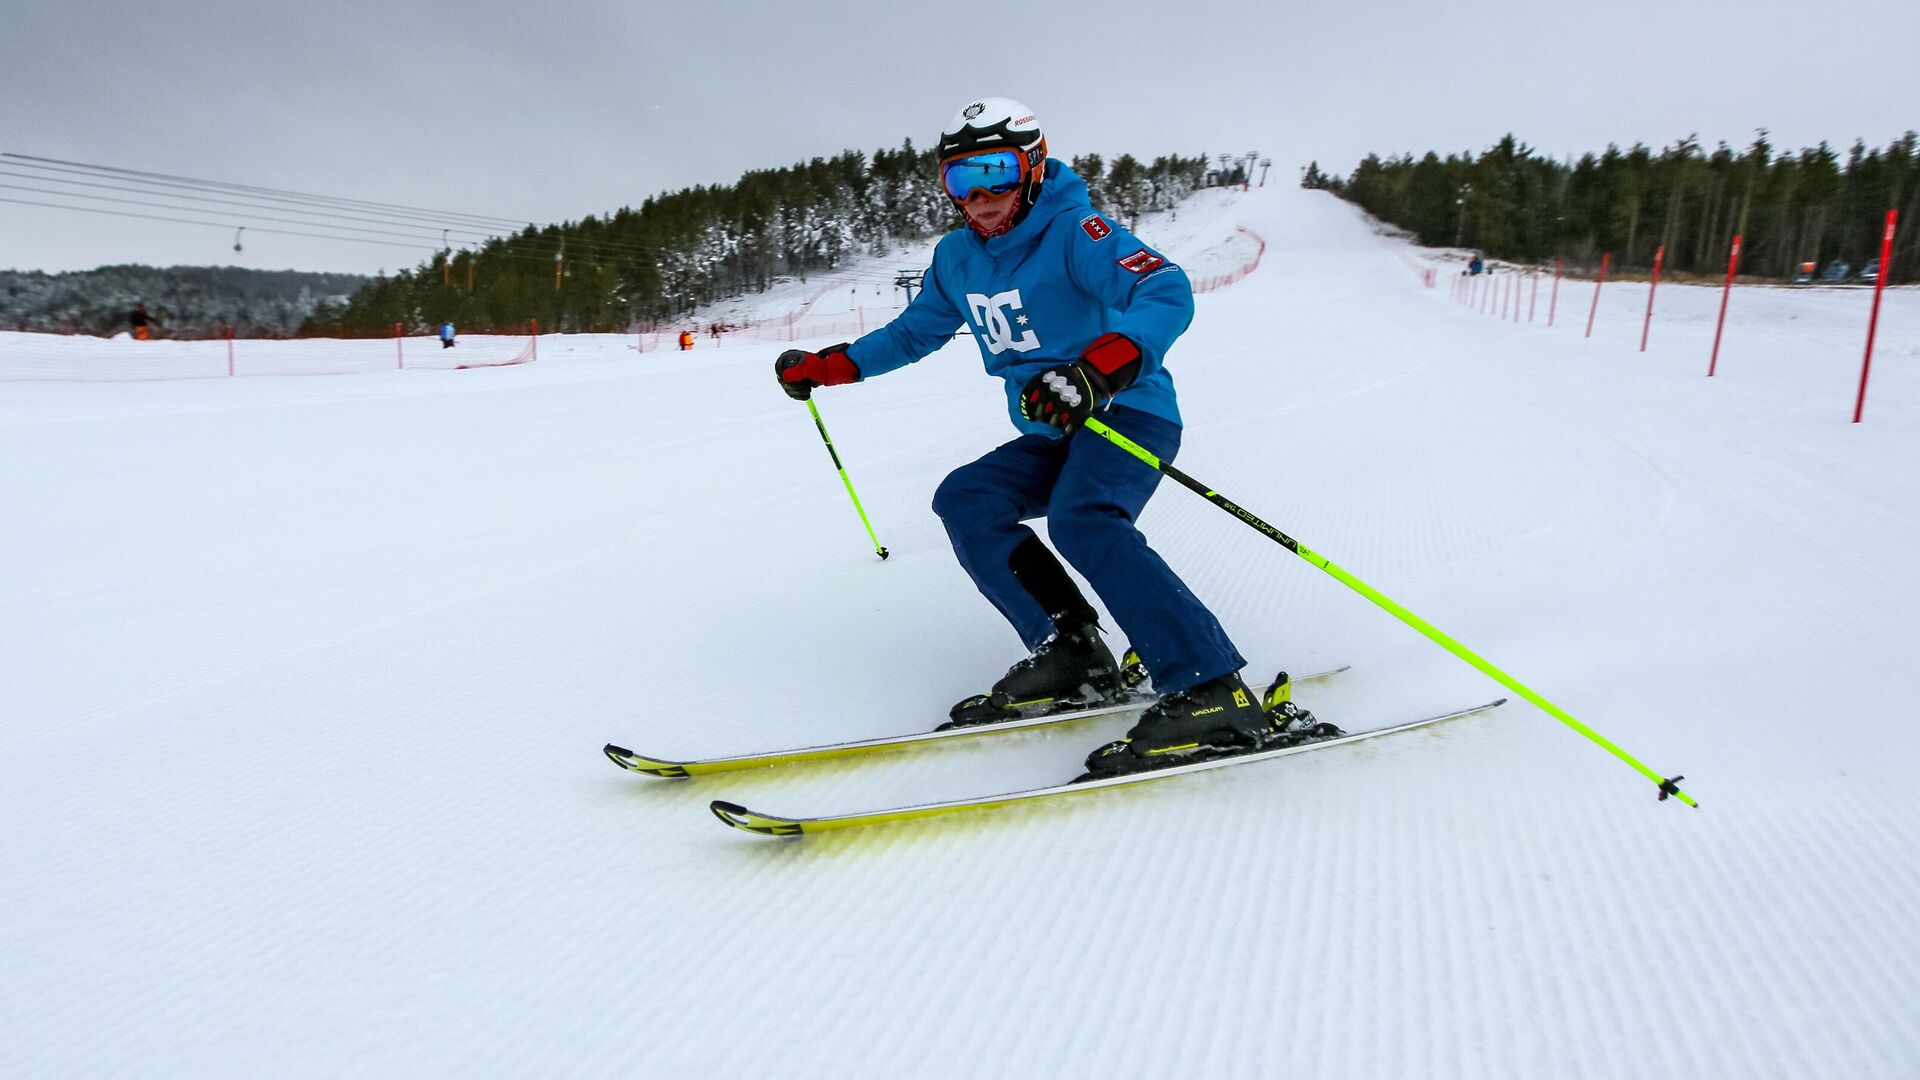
(1090, 491)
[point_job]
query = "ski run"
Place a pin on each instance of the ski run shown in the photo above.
(305, 679)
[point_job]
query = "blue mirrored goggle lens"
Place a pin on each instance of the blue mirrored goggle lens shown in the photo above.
(996, 173)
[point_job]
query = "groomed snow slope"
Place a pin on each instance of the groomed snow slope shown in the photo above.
(306, 679)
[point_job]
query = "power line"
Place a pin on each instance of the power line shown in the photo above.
(215, 224)
(308, 206)
(196, 210)
(361, 210)
(170, 180)
(265, 229)
(208, 199)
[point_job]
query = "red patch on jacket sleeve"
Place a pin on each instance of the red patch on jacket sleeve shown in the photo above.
(1095, 227)
(1142, 261)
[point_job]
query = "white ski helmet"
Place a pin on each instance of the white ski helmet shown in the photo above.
(990, 123)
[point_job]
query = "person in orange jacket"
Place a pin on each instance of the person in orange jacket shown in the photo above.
(141, 322)
(686, 340)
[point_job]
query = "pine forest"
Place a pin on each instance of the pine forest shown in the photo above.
(1815, 206)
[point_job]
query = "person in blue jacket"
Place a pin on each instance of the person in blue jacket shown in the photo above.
(1075, 315)
(446, 335)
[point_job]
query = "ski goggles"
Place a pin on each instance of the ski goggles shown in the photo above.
(995, 172)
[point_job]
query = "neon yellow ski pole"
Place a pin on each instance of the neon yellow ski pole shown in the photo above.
(1667, 785)
(835, 454)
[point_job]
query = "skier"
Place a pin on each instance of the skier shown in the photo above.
(1075, 315)
(141, 322)
(446, 335)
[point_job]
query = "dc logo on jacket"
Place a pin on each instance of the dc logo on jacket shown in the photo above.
(1002, 323)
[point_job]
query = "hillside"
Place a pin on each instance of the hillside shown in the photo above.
(187, 301)
(308, 679)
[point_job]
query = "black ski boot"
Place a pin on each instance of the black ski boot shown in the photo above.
(1073, 669)
(1215, 719)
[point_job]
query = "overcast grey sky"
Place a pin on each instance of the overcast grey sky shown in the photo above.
(555, 110)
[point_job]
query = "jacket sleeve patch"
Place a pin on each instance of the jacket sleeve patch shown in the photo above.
(1095, 227)
(1141, 262)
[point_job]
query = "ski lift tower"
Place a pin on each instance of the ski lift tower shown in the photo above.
(909, 280)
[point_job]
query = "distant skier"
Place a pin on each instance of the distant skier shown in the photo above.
(446, 335)
(686, 340)
(1476, 266)
(1074, 314)
(141, 322)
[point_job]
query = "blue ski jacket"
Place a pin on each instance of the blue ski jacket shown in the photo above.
(1038, 295)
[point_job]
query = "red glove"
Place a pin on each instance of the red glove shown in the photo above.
(799, 372)
(1064, 395)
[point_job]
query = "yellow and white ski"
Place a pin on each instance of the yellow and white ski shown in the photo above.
(652, 766)
(775, 825)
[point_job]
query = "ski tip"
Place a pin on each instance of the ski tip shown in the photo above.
(633, 762)
(745, 820)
